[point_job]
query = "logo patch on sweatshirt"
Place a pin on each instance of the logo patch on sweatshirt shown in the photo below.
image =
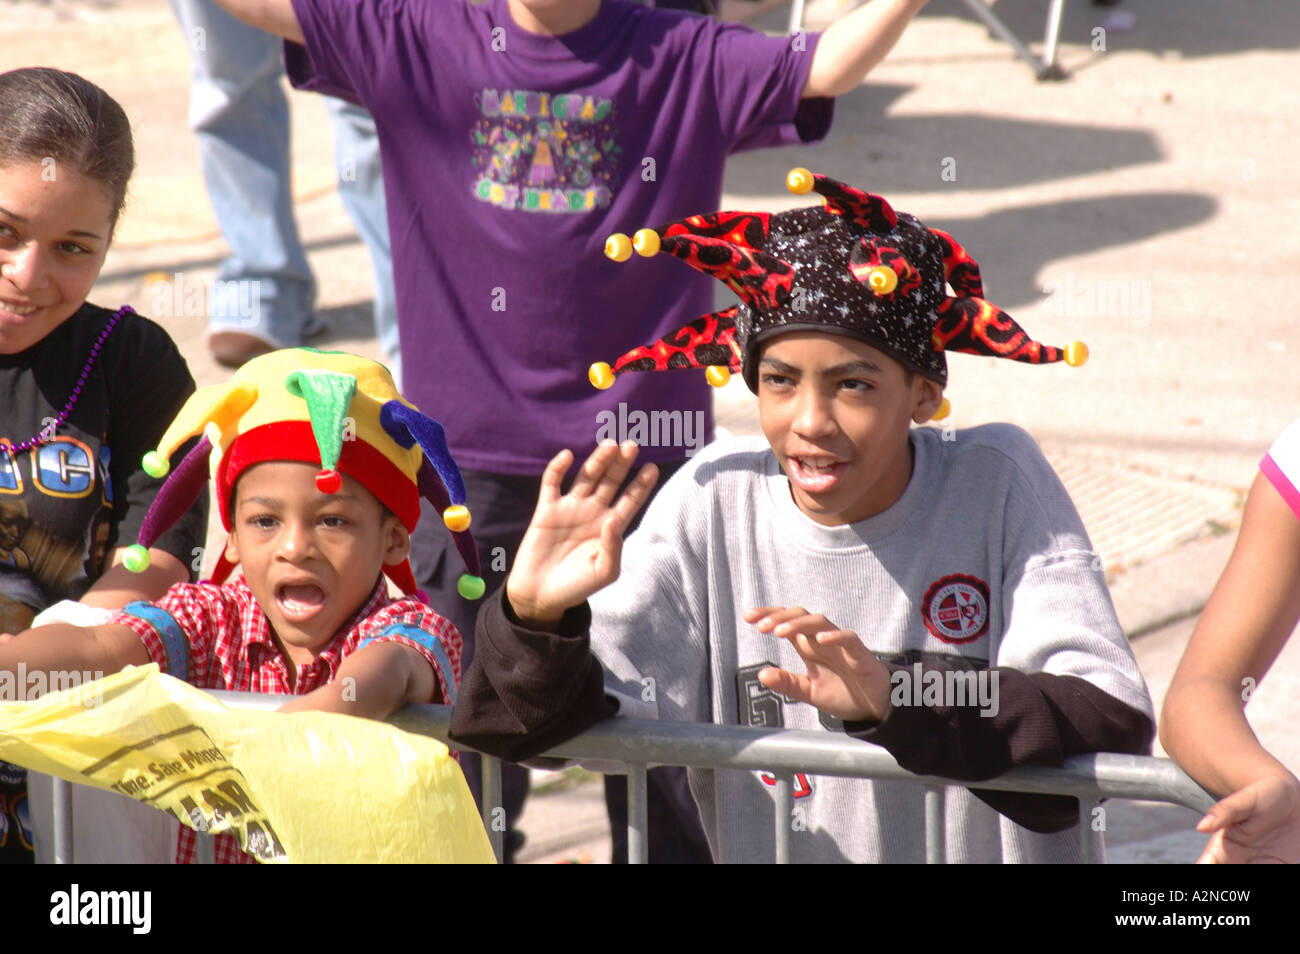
(759, 705)
(956, 608)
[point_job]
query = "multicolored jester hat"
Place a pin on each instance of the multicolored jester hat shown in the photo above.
(337, 410)
(853, 267)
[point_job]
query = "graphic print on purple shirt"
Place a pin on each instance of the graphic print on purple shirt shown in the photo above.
(503, 299)
(544, 152)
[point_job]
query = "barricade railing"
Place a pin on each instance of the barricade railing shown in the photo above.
(637, 744)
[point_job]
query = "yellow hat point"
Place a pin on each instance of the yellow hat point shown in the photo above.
(456, 517)
(136, 558)
(1076, 354)
(155, 464)
(945, 408)
(799, 180)
(618, 247)
(717, 375)
(646, 242)
(155, 278)
(882, 279)
(601, 376)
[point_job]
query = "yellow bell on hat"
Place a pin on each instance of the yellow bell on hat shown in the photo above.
(882, 279)
(618, 247)
(799, 180)
(456, 517)
(646, 242)
(717, 375)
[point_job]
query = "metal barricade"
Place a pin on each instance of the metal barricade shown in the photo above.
(638, 744)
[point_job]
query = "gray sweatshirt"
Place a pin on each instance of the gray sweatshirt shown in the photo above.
(983, 562)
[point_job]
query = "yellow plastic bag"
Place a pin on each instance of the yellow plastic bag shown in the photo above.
(301, 787)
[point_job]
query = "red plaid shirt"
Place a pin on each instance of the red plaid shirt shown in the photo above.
(230, 646)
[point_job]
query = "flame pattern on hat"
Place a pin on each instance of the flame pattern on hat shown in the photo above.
(854, 267)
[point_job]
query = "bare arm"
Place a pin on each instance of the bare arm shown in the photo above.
(534, 682)
(1252, 611)
(373, 683)
(119, 586)
(1203, 726)
(273, 16)
(60, 648)
(853, 45)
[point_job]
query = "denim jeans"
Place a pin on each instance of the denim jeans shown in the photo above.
(240, 115)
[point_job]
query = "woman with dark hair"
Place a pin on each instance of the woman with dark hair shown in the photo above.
(84, 391)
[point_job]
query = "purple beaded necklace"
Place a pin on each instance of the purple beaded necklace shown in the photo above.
(47, 434)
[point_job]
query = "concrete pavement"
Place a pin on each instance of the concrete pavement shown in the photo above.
(1145, 205)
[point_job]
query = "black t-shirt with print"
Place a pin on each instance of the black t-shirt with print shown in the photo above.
(68, 502)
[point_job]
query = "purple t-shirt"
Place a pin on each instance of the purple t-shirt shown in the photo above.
(509, 158)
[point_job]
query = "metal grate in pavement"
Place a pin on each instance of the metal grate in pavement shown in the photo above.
(1133, 515)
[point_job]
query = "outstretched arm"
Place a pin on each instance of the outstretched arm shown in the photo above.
(1017, 718)
(534, 681)
(91, 651)
(119, 586)
(1252, 611)
(273, 16)
(1006, 719)
(853, 45)
(373, 683)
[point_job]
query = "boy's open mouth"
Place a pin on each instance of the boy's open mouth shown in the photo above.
(298, 601)
(815, 475)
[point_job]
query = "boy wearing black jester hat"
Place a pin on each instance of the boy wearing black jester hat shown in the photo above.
(931, 594)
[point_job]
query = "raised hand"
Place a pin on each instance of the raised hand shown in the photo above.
(575, 541)
(843, 679)
(1258, 824)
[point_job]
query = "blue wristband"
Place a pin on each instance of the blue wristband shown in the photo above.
(429, 642)
(174, 641)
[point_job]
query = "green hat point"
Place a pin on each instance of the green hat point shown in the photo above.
(471, 587)
(155, 464)
(328, 395)
(136, 558)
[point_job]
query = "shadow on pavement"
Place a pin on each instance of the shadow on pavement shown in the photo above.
(168, 268)
(1012, 245)
(1188, 27)
(943, 152)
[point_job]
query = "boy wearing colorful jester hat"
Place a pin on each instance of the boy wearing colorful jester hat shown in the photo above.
(933, 593)
(319, 466)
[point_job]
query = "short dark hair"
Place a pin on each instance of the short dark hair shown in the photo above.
(47, 113)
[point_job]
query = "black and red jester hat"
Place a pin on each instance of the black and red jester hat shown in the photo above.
(853, 267)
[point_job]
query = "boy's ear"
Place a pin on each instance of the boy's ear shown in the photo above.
(928, 396)
(397, 541)
(232, 549)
